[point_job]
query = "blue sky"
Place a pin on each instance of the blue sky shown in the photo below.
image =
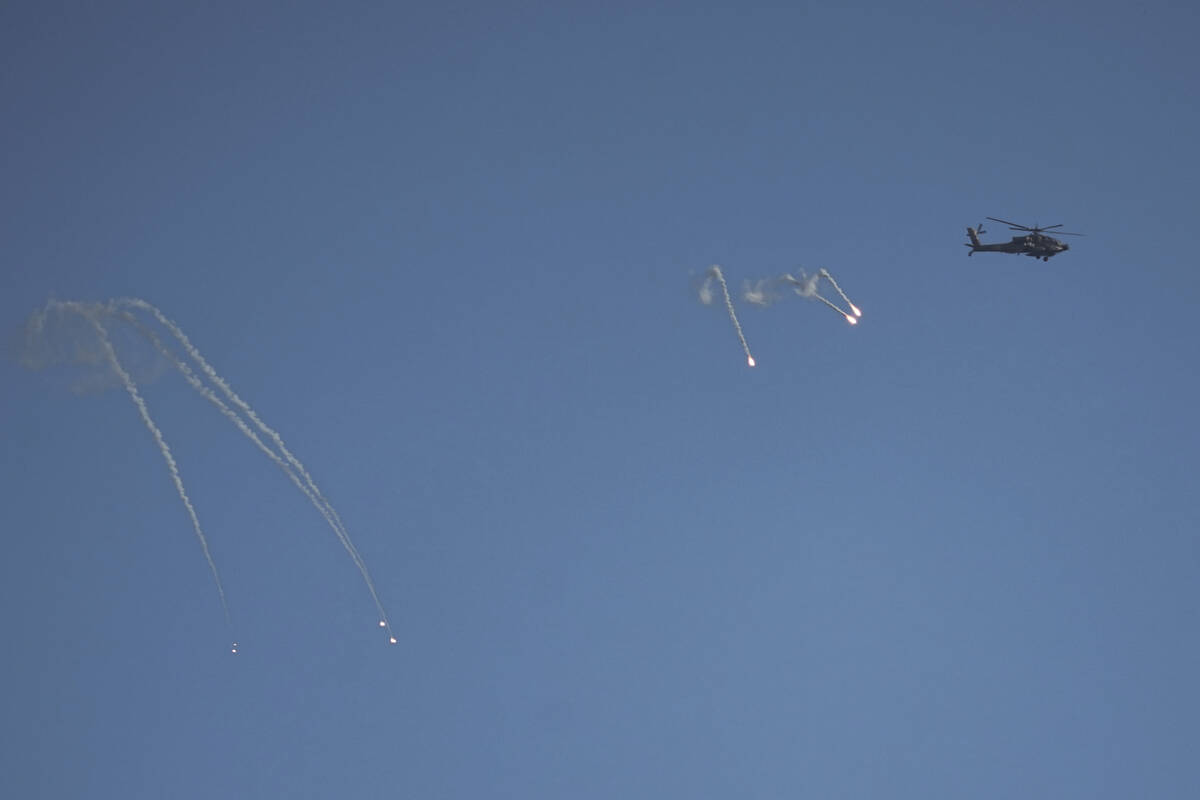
(450, 255)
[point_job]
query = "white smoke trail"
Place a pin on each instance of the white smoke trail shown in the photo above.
(310, 488)
(715, 271)
(92, 315)
(208, 394)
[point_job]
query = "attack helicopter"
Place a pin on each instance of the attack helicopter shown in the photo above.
(1035, 243)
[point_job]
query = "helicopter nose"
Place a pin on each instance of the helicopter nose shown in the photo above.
(1066, 246)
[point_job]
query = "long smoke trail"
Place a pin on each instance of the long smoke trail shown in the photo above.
(311, 489)
(127, 380)
(715, 271)
(208, 394)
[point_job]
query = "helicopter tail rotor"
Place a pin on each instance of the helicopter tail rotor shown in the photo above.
(973, 235)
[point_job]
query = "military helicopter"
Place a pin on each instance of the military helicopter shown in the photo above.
(1034, 243)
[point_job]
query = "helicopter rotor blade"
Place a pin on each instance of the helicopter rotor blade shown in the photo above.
(1035, 228)
(1039, 229)
(1012, 225)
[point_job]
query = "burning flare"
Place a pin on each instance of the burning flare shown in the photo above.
(714, 273)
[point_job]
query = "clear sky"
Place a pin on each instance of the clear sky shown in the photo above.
(450, 250)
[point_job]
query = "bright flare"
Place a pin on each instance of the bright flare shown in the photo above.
(851, 320)
(393, 640)
(854, 308)
(750, 360)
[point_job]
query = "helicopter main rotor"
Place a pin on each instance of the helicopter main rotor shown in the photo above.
(1036, 229)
